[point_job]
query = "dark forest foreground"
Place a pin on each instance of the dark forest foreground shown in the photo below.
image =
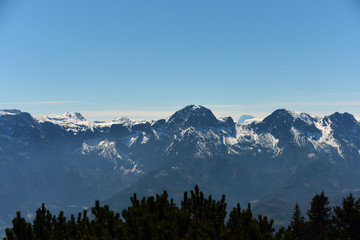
(198, 217)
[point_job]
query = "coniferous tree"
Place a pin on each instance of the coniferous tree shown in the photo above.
(241, 225)
(42, 224)
(234, 224)
(200, 217)
(21, 229)
(297, 222)
(155, 218)
(106, 222)
(280, 234)
(59, 226)
(265, 227)
(207, 216)
(346, 221)
(318, 226)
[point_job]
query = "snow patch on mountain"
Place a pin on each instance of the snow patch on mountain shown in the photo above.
(230, 141)
(127, 122)
(157, 136)
(299, 138)
(204, 143)
(145, 139)
(252, 120)
(71, 121)
(247, 136)
(9, 112)
(107, 149)
(327, 136)
(66, 118)
(122, 120)
(133, 140)
(194, 107)
(302, 116)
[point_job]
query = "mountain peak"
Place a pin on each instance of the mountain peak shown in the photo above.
(193, 108)
(193, 115)
(342, 116)
(9, 112)
(339, 119)
(283, 112)
(279, 116)
(76, 116)
(69, 120)
(282, 123)
(121, 119)
(285, 115)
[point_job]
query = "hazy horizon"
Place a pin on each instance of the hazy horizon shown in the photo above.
(152, 58)
(156, 114)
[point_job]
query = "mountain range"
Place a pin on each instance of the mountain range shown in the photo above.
(68, 162)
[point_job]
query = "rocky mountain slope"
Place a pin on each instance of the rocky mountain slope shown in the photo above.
(68, 162)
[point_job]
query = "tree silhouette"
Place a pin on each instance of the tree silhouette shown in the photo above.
(200, 217)
(347, 219)
(297, 223)
(319, 217)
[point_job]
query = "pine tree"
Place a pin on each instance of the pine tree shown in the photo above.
(42, 226)
(265, 227)
(296, 226)
(59, 226)
(242, 226)
(319, 217)
(206, 215)
(21, 229)
(347, 219)
(200, 217)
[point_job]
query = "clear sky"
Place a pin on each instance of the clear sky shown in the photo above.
(147, 59)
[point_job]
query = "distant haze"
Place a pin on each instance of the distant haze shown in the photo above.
(243, 118)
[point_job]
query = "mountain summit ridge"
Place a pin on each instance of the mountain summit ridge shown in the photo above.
(69, 161)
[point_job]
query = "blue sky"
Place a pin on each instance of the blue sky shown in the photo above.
(147, 59)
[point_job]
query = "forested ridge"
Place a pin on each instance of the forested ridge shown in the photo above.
(198, 217)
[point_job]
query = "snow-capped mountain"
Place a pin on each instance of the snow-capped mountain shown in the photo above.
(66, 119)
(66, 160)
(71, 121)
